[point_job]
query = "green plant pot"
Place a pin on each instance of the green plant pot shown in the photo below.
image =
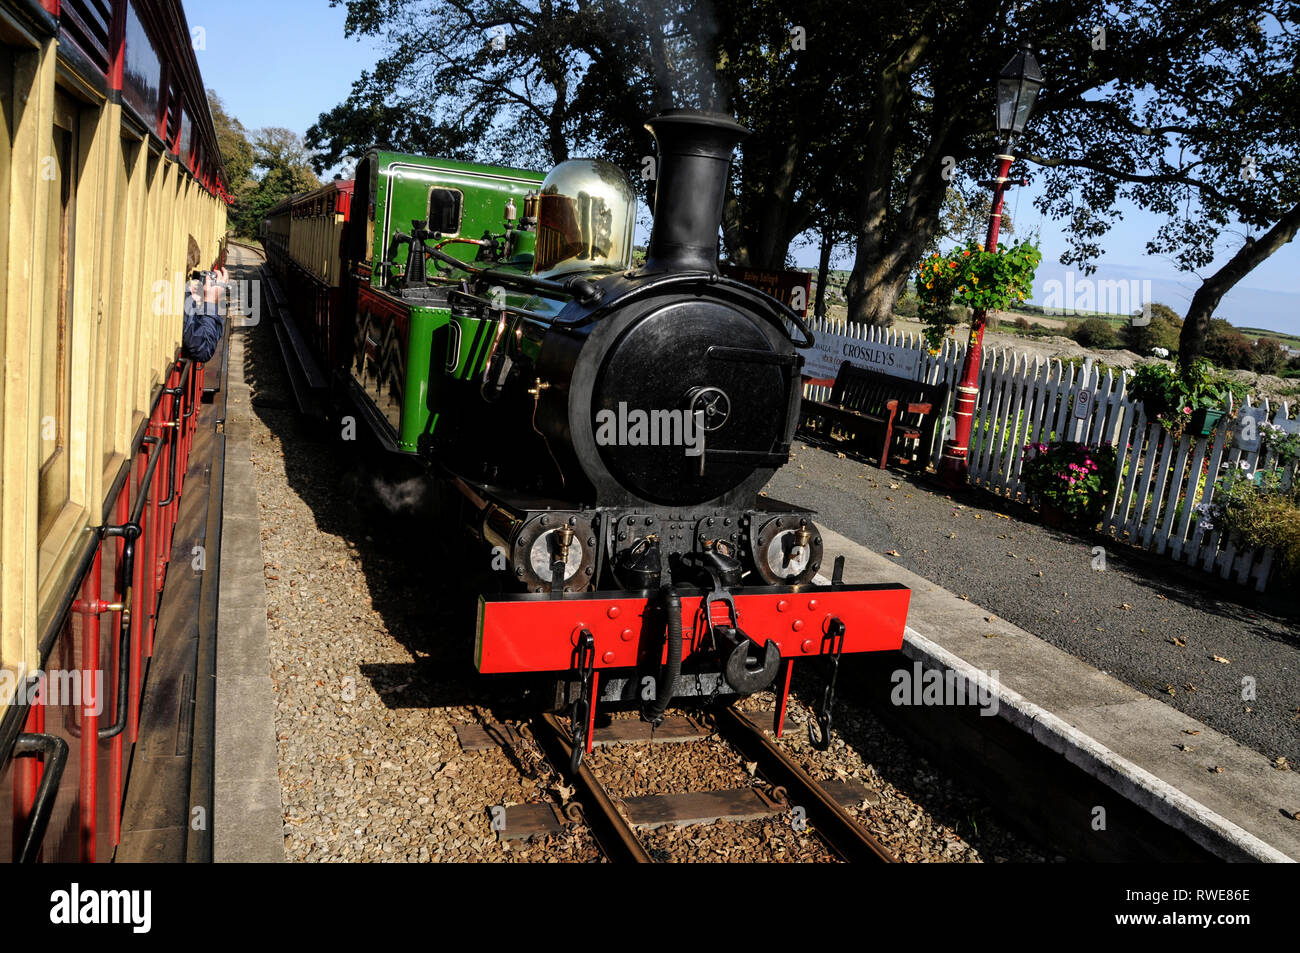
(1203, 422)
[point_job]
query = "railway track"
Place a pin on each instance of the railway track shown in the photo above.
(784, 788)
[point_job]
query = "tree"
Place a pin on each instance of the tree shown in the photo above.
(964, 218)
(272, 166)
(232, 140)
(284, 164)
(1268, 356)
(1095, 332)
(863, 117)
(1210, 142)
(1161, 330)
(1226, 346)
(237, 157)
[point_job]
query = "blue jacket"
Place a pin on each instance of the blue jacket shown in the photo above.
(202, 331)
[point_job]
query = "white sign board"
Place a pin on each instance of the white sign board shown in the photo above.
(1083, 403)
(823, 360)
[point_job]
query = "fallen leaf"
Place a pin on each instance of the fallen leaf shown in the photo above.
(1216, 770)
(1169, 690)
(1220, 658)
(1039, 573)
(843, 456)
(990, 635)
(1185, 747)
(893, 486)
(892, 552)
(1191, 731)
(978, 516)
(1190, 687)
(1178, 641)
(1125, 606)
(1281, 764)
(1003, 516)
(967, 598)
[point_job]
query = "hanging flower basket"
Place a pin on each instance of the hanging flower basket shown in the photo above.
(971, 277)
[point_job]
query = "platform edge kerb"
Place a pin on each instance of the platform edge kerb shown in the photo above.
(1162, 800)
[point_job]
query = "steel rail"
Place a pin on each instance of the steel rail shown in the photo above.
(613, 833)
(850, 841)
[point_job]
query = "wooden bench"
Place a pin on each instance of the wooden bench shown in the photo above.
(879, 414)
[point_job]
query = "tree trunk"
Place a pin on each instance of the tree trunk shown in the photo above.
(1196, 326)
(823, 271)
(872, 291)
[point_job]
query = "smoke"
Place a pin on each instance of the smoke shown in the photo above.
(393, 493)
(410, 497)
(683, 53)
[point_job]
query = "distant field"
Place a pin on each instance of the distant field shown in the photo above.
(1290, 340)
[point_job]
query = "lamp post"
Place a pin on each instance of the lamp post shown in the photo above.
(1018, 86)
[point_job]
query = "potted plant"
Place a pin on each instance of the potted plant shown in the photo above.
(1259, 510)
(1191, 400)
(1070, 482)
(1278, 440)
(968, 276)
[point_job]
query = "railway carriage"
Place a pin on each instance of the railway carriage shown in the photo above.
(109, 170)
(603, 429)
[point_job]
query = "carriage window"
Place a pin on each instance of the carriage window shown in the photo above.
(444, 210)
(55, 388)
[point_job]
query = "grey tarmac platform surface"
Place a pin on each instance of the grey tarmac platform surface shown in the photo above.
(1125, 738)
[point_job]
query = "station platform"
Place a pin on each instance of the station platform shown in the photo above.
(1223, 796)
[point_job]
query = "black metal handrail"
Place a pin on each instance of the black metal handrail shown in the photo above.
(54, 755)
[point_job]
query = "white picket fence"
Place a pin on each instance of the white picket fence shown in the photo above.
(1160, 481)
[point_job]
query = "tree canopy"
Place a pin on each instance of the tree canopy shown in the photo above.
(263, 170)
(860, 117)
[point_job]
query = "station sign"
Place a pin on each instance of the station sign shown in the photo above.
(822, 361)
(792, 288)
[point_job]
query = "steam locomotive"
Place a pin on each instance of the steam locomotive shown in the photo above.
(606, 429)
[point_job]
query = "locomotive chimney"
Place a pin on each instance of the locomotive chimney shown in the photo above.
(695, 151)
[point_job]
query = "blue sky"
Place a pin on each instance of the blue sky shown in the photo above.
(284, 62)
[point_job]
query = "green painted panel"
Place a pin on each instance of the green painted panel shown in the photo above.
(425, 357)
(402, 186)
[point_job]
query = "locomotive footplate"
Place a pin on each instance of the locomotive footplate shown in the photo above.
(618, 637)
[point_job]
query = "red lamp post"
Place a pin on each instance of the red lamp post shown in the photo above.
(1018, 86)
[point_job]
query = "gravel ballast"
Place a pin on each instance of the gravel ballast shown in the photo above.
(371, 666)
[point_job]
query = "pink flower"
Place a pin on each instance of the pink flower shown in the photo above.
(1187, 410)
